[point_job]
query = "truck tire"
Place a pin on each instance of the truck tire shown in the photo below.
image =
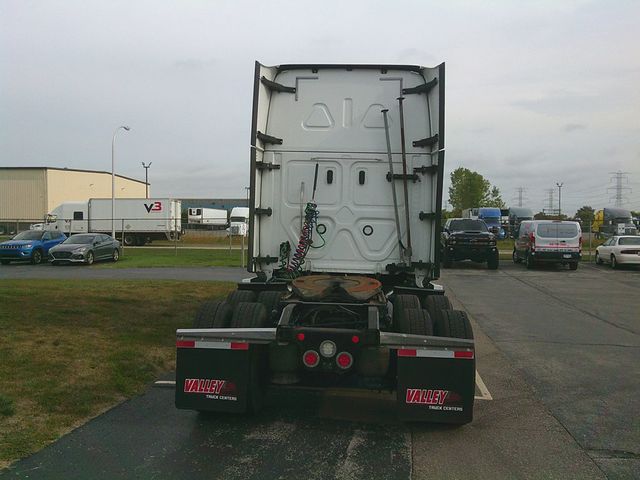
(415, 321)
(573, 266)
(400, 304)
(270, 300)
(446, 260)
(213, 314)
(237, 296)
(435, 304)
(249, 315)
(140, 240)
(453, 323)
(129, 239)
(5, 262)
(493, 261)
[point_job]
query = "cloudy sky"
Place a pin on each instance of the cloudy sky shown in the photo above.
(537, 92)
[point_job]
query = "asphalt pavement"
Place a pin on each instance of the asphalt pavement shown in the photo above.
(557, 351)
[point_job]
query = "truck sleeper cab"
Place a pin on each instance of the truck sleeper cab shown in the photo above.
(346, 171)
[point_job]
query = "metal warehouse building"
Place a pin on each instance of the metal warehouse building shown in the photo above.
(29, 193)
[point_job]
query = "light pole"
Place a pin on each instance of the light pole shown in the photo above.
(559, 185)
(113, 179)
(146, 177)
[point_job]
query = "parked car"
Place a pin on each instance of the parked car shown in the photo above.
(32, 245)
(86, 248)
(468, 239)
(548, 241)
(619, 250)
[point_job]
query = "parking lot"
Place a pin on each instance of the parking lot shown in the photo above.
(557, 351)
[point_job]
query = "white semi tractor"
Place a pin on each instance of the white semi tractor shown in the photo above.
(346, 169)
(136, 221)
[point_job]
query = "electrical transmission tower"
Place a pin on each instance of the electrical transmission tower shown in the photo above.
(620, 178)
(549, 203)
(521, 197)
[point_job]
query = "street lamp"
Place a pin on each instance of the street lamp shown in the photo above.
(559, 185)
(113, 179)
(146, 177)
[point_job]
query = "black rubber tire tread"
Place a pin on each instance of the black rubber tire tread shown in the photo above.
(5, 262)
(415, 321)
(406, 301)
(249, 315)
(529, 262)
(434, 303)
(446, 260)
(213, 314)
(237, 296)
(270, 299)
(598, 259)
(36, 257)
(573, 266)
(455, 324)
(515, 257)
(493, 262)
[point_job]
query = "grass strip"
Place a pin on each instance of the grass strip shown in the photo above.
(71, 349)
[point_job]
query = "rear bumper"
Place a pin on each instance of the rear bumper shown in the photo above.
(628, 259)
(472, 252)
(556, 257)
(218, 368)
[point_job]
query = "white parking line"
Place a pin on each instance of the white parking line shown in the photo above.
(483, 389)
(165, 383)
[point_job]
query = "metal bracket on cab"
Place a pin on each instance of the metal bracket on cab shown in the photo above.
(264, 138)
(399, 176)
(267, 166)
(426, 142)
(263, 211)
(424, 88)
(276, 87)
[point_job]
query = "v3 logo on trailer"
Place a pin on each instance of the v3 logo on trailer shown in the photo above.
(153, 207)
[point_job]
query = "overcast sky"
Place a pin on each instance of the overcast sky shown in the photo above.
(537, 93)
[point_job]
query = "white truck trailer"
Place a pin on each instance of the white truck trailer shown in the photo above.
(137, 220)
(347, 164)
(214, 217)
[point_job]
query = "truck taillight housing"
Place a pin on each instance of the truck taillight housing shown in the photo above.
(344, 360)
(311, 358)
(532, 239)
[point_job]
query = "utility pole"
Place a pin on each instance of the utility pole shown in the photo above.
(559, 185)
(146, 177)
(620, 178)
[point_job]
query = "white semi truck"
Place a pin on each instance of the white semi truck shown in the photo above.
(214, 217)
(136, 221)
(239, 221)
(346, 170)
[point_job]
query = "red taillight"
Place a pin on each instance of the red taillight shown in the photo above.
(239, 346)
(355, 339)
(185, 343)
(300, 337)
(344, 360)
(463, 354)
(532, 238)
(311, 358)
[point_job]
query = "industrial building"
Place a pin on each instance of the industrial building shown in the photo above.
(29, 193)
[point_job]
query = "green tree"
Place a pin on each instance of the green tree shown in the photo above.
(585, 214)
(470, 189)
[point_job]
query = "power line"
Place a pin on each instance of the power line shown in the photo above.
(521, 197)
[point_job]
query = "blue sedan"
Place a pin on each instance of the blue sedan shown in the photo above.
(31, 245)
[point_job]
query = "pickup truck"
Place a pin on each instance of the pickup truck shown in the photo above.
(468, 239)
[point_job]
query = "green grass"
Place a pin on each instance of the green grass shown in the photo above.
(81, 348)
(165, 257)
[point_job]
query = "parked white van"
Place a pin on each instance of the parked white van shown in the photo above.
(548, 241)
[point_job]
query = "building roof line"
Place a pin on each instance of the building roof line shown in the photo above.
(74, 170)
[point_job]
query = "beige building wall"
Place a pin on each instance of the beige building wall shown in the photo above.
(23, 194)
(30, 193)
(72, 186)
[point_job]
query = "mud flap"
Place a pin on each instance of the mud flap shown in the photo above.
(218, 376)
(436, 385)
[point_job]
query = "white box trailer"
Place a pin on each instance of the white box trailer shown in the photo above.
(136, 221)
(347, 166)
(208, 216)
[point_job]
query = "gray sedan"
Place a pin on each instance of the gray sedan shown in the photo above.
(86, 248)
